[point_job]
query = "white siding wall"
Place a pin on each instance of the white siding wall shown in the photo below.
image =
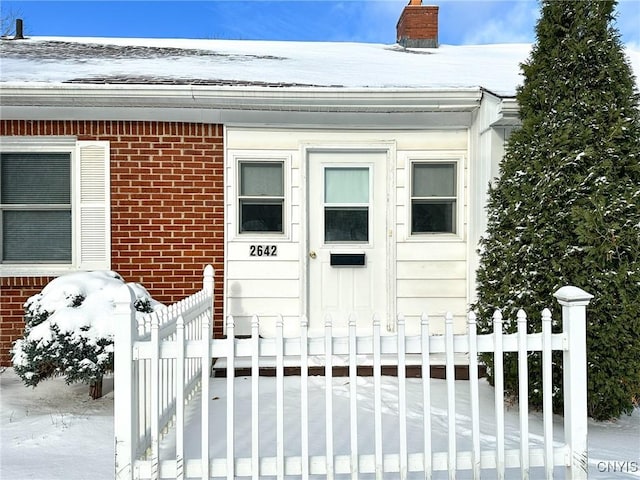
(430, 270)
(263, 285)
(487, 147)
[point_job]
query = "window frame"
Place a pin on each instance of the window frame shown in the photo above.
(79, 207)
(283, 199)
(457, 222)
(39, 207)
(348, 205)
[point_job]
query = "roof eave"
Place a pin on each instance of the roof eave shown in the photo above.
(307, 99)
(508, 113)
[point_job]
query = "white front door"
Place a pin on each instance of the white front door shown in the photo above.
(347, 237)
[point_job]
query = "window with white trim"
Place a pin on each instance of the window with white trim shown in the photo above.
(433, 197)
(260, 196)
(54, 205)
(35, 206)
(346, 204)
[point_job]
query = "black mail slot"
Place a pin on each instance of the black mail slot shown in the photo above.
(347, 260)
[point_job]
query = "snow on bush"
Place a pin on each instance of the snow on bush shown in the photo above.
(69, 328)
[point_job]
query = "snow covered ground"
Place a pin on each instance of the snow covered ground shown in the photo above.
(55, 431)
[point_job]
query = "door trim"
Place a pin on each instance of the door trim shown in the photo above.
(389, 149)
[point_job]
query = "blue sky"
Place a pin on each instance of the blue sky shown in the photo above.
(461, 21)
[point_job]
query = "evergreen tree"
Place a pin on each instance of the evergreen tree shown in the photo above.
(566, 208)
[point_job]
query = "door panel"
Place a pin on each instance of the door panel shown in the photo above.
(347, 215)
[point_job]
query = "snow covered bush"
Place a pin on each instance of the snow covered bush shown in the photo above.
(566, 209)
(69, 329)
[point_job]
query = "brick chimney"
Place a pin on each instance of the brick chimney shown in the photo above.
(418, 26)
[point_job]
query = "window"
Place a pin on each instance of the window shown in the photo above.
(346, 205)
(54, 205)
(433, 197)
(35, 207)
(261, 199)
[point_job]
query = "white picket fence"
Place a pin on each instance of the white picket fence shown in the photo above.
(162, 362)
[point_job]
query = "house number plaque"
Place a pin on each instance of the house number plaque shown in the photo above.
(263, 250)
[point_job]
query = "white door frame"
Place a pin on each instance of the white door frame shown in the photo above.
(388, 321)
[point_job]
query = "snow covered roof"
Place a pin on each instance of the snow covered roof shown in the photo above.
(260, 75)
(260, 63)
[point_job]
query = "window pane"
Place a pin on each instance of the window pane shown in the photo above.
(36, 236)
(433, 216)
(346, 185)
(261, 179)
(346, 224)
(434, 180)
(260, 216)
(35, 178)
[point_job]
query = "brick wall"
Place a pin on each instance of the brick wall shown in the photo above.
(167, 210)
(13, 293)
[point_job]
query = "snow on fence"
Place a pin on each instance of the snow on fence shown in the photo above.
(162, 363)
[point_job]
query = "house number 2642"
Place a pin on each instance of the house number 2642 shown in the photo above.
(263, 250)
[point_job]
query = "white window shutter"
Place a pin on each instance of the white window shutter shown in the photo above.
(93, 212)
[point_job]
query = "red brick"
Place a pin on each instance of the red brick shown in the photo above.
(148, 160)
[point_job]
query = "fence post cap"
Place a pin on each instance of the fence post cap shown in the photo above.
(207, 280)
(572, 295)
